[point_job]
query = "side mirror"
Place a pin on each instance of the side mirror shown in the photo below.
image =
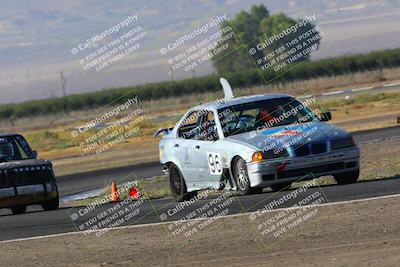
(325, 116)
(35, 154)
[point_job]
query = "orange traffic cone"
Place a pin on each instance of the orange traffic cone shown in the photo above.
(114, 192)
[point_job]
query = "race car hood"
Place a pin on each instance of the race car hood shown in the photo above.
(290, 135)
(24, 163)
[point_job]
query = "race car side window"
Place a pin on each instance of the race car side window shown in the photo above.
(208, 127)
(23, 144)
(12, 149)
(22, 151)
(189, 127)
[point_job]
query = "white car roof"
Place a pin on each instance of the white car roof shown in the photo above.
(237, 101)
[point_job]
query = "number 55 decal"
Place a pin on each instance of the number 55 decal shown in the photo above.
(214, 163)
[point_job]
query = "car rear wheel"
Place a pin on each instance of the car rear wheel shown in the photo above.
(18, 209)
(281, 186)
(178, 185)
(347, 177)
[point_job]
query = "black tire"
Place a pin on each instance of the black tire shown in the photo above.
(178, 185)
(281, 186)
(242, 177)
(51, 204)
(18, 209)
(257, 190)
(347, 177)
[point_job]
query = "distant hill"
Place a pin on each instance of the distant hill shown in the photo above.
(36, 37)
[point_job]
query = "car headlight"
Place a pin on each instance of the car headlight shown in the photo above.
(269, 154)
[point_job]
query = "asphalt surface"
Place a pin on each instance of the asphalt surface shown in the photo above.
(36, 222)
(82, 182)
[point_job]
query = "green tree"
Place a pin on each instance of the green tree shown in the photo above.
(252, 27)
(246, 27)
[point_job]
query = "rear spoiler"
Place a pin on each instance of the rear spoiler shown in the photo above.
(163, 131)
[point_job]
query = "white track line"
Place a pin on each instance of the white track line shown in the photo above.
(362, 89)
(169, 222)
(350, 91)
(380, 139)
(333, 93)
(391, 84)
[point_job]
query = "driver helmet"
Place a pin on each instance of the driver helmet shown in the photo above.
(264, 115)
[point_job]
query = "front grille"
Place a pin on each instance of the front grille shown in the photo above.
(273, 154)
(4, 181)
(268, 177)
(303, 150)
(314, 169)
(318, 148)
(25, 176)
(309, 149)
(351, 164)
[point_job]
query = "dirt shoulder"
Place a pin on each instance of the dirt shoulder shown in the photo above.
(363, 233)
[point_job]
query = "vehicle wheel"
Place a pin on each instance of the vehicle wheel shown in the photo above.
(18, 209)
(51, 204)
(347, 177)
(242, 177)
(178, 185)
(280, 186)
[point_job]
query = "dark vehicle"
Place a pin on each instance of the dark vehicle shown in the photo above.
(25, 180)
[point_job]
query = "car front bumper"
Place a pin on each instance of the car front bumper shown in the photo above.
(268, 172)
(27, 195)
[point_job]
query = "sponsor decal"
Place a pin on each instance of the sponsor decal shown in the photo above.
(286, 132)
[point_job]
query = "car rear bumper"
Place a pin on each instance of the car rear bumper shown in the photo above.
(268, 172)
(27, 195)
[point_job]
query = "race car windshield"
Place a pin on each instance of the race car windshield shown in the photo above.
(14, 148)
(263, 115)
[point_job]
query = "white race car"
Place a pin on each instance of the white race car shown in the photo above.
(248, 143)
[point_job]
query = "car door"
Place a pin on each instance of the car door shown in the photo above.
(206, 152)
(184, 146)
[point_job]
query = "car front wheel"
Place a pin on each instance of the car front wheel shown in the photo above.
(18, 209)
(51, 204)
(281, 186)
(242, 177)
(347, 177)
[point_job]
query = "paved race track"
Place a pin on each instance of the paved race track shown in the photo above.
(37, 223)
